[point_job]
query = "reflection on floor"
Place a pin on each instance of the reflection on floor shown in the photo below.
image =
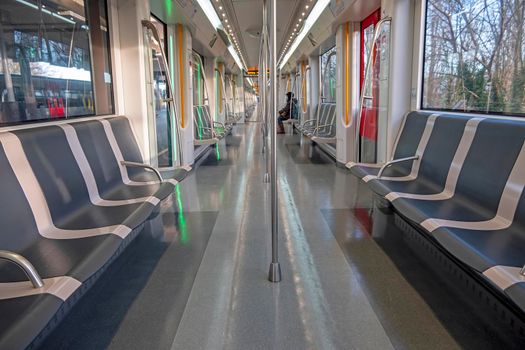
(197, 277)
(139, 300)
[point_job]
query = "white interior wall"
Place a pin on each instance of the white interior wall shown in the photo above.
(184, 91)
(313, 62)
(346, 132)
(402, 13)
(131, 78)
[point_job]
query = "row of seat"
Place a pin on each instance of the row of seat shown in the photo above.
(322, 128)
(207, 131)
(73, 196)
(459, 180)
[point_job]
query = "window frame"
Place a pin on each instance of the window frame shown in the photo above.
(111, 23)
(421, 71)
(321, 73)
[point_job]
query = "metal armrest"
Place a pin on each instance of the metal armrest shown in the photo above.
(25, 265)
(316, 130)
(395, 161)
(308, 121)
(145, 166)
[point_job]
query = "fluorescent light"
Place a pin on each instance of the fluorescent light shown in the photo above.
(235, 57)
(308, 24)
(209, 11)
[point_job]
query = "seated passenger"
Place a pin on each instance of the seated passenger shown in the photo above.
(287, 112)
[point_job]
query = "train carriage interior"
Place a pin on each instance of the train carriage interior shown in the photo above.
(286, 174)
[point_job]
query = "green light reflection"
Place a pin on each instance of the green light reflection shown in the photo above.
(184, 237)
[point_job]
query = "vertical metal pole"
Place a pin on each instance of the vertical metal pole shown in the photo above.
(275, 268)
(264, 92)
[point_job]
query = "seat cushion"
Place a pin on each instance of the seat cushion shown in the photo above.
(456, 208)
(482, 250)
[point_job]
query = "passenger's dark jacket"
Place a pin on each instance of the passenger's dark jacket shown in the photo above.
(289, 110)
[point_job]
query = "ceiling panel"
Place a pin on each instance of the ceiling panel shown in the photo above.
(248, 15)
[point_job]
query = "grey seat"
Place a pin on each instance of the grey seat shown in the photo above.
(309, 125)
(63, 184)
(24, 318)
(467, 194)
(433, 166)
(482, 178)
(208, 131)
(326, 127)
(406, 146)
(121, 128)
(107, 171)
(67, 209)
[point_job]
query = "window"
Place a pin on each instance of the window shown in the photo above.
(54, 60)
(198, 80)
(328, 75)
(474, 56)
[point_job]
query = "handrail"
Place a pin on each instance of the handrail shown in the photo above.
(149, 25)
(395, 161)
(367, 76)
(264, 90)
(141, 165)
(25, 265)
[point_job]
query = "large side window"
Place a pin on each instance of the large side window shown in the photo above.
(55, 60)
(328, 75)
(474, 56)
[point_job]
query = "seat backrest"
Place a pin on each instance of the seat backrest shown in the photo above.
(490, 161)
(409, 137)
(330, 118)
(55, 169)
(19, 229)
(124, 136)
(323, 108)
(99, 154)
(442, 145)
(207, 116)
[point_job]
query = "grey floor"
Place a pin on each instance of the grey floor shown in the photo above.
(196, 278)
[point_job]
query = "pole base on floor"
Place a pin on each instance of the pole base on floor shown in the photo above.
(275, 272)
(266, 178)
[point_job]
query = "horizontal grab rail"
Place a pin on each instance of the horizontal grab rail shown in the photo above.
(25, 265)
(141, 165)
(395, 161)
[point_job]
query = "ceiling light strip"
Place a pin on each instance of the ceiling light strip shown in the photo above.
(209, 11)
(317, 10)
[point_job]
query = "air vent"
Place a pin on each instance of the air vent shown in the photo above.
(224, 37)
(213, 40)
(312, 40)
